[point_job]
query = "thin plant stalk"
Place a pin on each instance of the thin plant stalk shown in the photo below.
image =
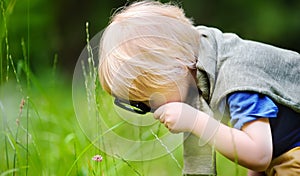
(91, 169)
(91, 144)
(4, 14)
(26, 60)
(11, 171)
(15, 73)
(75, 154)
(130, 166)
(15, 150)
(6, 152)
(1, 60)
(27, 68)
(92, 85)
(140, 140)
(6, 137)
(17, 132)
(157, 134)
(27, 136)
(115, 166)
(6, 42)
(55, 60)
(169, 152)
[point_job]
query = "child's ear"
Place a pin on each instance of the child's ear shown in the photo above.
(193, 73)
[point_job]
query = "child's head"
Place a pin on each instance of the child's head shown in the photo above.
(148, 47)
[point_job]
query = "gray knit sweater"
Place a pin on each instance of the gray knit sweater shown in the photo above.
(226, 64)
(233, 64)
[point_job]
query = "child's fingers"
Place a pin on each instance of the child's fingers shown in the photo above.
(159, 114)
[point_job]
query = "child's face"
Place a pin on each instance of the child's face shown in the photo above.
(178, 93)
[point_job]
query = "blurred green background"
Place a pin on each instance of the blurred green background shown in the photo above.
(58, 27)
(40, 42)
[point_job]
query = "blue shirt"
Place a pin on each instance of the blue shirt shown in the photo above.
(285, 123)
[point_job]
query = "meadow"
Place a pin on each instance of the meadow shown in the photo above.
(40, 135)
(51, 125)
(56, 119)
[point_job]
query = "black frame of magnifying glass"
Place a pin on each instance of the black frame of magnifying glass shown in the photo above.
(133, 106)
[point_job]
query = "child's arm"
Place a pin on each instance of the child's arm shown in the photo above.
(251, 146)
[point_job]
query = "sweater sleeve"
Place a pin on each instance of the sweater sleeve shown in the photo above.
(248, 106)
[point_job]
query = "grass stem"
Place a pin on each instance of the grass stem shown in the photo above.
(169, 152)
(27, 136)
(26, 66)
(5, 127)
(6, 41)
(27, 61)
(15, 73)
(91, 144)
(130, 166)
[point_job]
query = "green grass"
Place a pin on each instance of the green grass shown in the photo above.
(56, 144)
(40, 133)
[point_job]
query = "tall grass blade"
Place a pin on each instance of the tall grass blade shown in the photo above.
(16, 139)
(130, 166)
(5, 126)
(15, 73)
(5, 41)
(1, 60)
(75, 155)
(91, 144)
(26, 61)
(8, 172)
(27, 136)
(55, 60)
(92, 86)
(169, 152)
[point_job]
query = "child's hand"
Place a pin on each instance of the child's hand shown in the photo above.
(177, 117)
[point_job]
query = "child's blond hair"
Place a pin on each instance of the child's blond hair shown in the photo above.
(147, 47)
